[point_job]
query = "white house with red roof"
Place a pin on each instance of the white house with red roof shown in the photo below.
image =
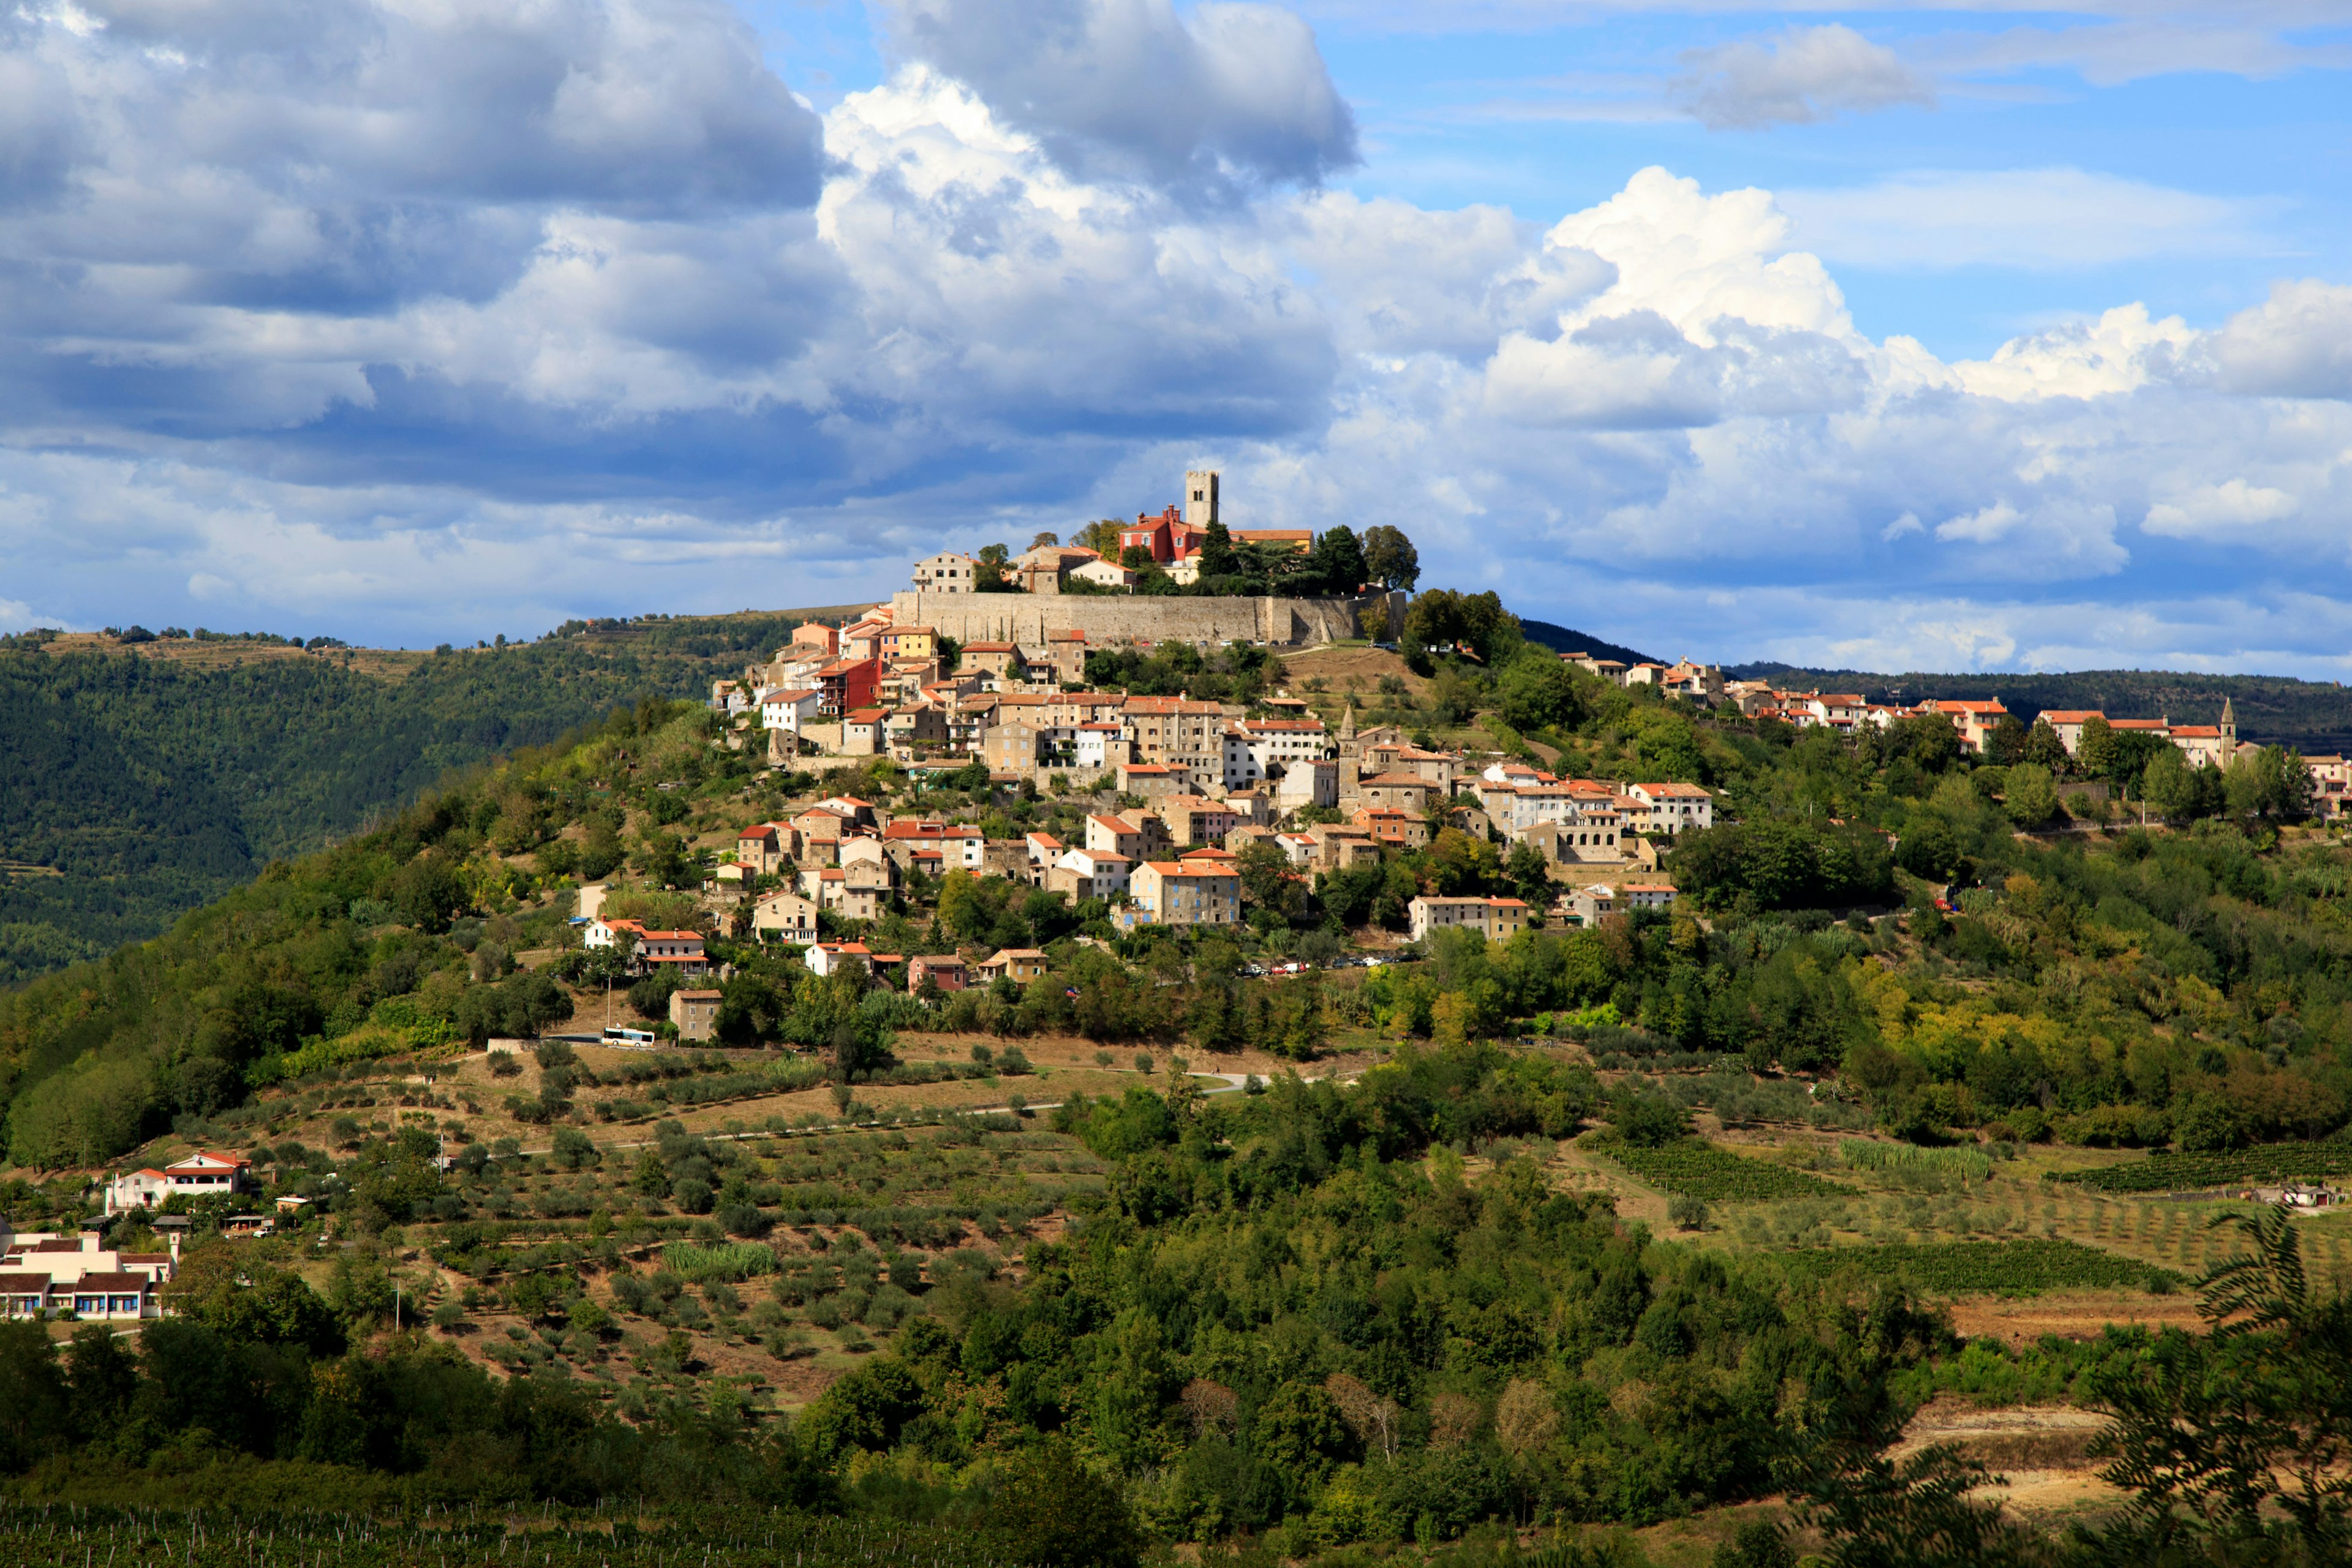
(1494, 917)
(621, 934)
(677, 950)
(825, 957)
(2067, 723)
(655, 950)
(958, 844)
(207, 1172)
(1675, 807)
(789, 710)
(1090, 873)
(139, 1189)
(1593, 901)
(1974, 719)
(1044, 851)
(1115, 836)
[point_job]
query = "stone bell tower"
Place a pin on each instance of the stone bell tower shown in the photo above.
(1200, 497)
(2229, 731)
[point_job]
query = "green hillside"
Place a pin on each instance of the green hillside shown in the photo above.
(1208, 1237)
(142, 786)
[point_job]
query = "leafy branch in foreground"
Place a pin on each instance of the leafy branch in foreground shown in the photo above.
(2233, 1443)
(2230, 1446)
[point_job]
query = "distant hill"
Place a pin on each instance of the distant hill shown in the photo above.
(2312, 716)
(148, 779)
(1567, 639)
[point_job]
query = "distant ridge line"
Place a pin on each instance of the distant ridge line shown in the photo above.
(1567, 639)
(2312, 716)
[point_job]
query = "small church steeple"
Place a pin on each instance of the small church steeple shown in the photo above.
(2228, 728)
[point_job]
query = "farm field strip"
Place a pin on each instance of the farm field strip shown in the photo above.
(2029, 1266)
(2186, 1173)
(1713, 1175)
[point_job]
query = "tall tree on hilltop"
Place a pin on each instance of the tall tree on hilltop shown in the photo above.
(989, 577)
(1338, 560)
(1390, 558)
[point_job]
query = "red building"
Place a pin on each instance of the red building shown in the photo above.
(1168, 536)
(1171, 539)
(847, 684)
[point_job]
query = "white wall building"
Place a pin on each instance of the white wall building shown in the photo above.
(1104, 873)
(1255, 747)
(789, 710)
(946, 572)
(1675, 807)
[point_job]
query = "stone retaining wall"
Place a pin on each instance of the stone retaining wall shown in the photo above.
(1028, 618)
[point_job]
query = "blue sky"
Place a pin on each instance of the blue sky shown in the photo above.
(1958, 337)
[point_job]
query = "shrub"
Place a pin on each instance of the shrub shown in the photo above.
(742, 1219)
(725, 1261)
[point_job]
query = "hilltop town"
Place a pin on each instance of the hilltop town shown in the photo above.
(1177, 787)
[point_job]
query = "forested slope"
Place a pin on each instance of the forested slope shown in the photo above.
(140, 787)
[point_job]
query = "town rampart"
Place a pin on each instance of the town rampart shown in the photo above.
(1027, 618)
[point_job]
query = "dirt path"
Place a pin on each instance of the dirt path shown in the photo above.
(1578, 1170)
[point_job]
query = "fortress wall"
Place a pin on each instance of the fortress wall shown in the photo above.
(1026, 618)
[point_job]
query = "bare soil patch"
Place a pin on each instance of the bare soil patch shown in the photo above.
(1577, 1170)
(1351, 669)
(2074, 1316)
(2040, 1454)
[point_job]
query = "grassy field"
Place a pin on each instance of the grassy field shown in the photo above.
(42, 1537)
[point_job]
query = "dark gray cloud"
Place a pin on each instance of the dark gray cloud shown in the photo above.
(2297, 343)
(1795, 77)
(1128, 89)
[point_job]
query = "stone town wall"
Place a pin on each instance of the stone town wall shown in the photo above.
(1027, 618)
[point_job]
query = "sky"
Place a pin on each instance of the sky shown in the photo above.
(1959, 337)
